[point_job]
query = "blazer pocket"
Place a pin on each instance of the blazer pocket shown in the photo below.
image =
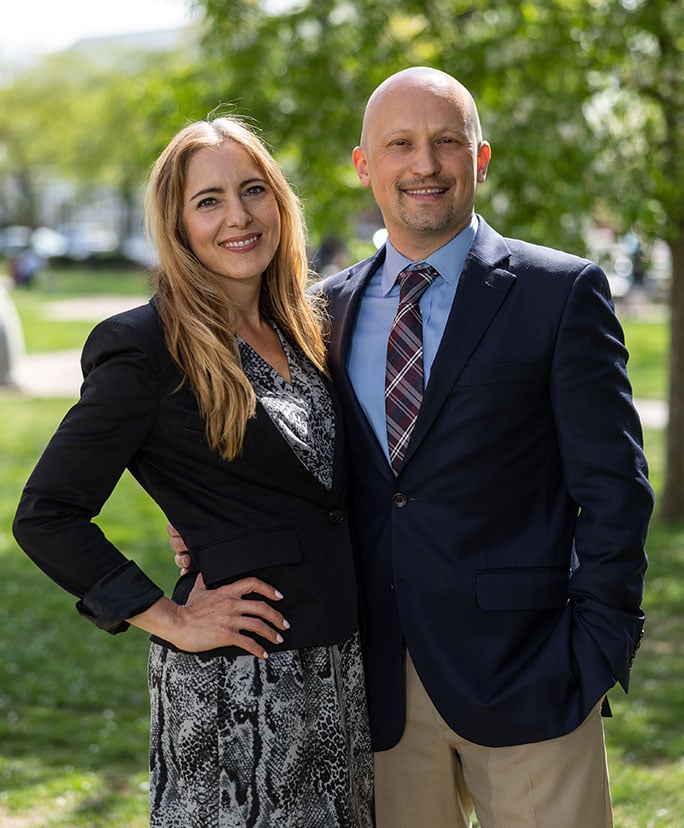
(522, 588)
(500, 373)
(229, 558)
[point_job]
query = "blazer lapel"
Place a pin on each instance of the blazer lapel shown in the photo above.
(344, 299)
(266, 449)
(482, 288)
(340, 457)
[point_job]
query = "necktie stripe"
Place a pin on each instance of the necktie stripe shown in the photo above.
(404, 373)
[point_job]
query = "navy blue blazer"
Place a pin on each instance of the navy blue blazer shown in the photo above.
(508, 555)
(261, 514)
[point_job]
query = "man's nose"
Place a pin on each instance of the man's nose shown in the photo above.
(425, 159)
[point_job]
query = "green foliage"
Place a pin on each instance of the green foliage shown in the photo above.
(573, 96)
(96, 121)
(581, 99)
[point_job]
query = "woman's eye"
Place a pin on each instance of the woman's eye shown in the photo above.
(255, 189)
(206, 202)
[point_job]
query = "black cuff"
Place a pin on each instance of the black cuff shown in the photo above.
(123, 593)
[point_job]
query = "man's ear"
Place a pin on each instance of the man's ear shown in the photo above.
(484, 156)
(361, 165)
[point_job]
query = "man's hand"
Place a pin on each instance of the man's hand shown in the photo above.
(182, 559)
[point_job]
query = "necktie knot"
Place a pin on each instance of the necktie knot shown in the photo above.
(414, 281)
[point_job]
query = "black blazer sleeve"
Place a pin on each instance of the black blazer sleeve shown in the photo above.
(67, 489)
(262, 513)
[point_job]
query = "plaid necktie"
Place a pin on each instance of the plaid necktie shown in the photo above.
(404, 373)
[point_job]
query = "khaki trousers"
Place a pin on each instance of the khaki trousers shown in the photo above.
(433, 778)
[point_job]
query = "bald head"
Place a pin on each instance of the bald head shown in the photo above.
(413, 84)
(422, 154)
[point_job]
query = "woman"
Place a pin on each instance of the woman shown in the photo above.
(215, 397)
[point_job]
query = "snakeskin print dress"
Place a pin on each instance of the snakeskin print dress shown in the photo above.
(279, 743)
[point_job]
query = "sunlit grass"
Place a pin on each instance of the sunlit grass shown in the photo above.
(648, 342)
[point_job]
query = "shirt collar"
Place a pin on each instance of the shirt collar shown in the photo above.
(448, 260)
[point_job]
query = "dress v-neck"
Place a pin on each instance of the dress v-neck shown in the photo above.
(286, 352)
(301, 409)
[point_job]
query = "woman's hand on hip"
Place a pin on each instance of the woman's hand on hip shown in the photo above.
(221, 617)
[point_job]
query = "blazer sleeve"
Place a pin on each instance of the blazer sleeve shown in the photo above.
(79, 469)
(600, 441)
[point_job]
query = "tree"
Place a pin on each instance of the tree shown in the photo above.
(582, 100)
(97, 121)
(638, 56)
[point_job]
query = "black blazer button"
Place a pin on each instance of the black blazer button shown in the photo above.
(336, 516)
(399, 500)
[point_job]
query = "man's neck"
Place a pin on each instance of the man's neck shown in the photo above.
(421, 245)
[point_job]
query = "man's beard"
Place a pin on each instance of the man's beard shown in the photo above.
(427, 220)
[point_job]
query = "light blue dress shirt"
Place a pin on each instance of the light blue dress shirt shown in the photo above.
(378, 307)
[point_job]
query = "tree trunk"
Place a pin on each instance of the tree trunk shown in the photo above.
(672, 501)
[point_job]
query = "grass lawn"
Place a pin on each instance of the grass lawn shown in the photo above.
(648, 344)
(73, 700)
(44, 333)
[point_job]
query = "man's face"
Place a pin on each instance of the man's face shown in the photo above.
(420, 156)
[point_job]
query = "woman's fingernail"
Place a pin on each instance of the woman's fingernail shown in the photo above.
(279, 594)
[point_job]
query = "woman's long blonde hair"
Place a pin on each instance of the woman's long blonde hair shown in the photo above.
(196, 313)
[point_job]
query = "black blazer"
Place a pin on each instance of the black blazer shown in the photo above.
(509, 553)
(262, 513)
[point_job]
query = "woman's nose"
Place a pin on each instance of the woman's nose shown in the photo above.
(236, 214)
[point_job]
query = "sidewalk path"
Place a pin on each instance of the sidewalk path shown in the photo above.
(653, 413)
(58, 374)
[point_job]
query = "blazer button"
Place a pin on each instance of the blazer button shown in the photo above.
(336, 516)
(399, 500)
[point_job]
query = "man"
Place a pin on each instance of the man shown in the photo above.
(501, 531)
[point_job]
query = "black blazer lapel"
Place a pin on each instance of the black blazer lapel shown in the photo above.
(267, 451)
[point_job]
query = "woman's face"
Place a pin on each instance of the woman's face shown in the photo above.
(230, 214)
